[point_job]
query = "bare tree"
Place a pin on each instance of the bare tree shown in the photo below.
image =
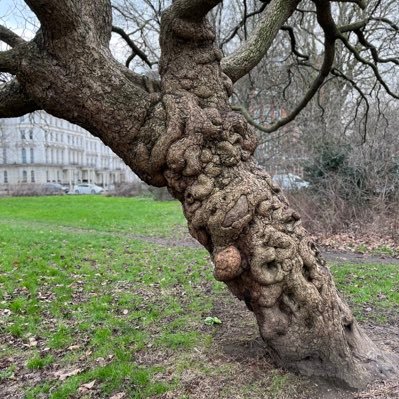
(182, 133)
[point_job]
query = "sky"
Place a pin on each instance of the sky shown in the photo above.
(15, 14)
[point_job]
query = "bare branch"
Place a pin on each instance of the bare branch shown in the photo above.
(326, 21)
(132, 45)
(9, 37)
(252, 51)
(373, 49)
(353, 26)
(362, 95)
(361, 3)
(242, 23)
(294, 49)
(13, 101)
(386, 21)
(373, 66)
(317, 83)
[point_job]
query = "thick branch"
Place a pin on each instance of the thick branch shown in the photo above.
(251, 52)
(57, 15)
(361, 3)
(9, 61)
(59, 18)
(13, 101)
(193, 10)
(9, 37)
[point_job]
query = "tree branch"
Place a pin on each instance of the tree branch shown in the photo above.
(252, 51)
(59, 18)
(132, 45)
(9, 37)
(294, 49)
(9, 61)
(193, 9)
(57, 15)
(326, 21)
(373, 49)
(241, 23)
(13, 101)
(328, 62)
(361, 3)
(386, 21)
(373, 66)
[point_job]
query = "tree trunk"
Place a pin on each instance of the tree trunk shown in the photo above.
(184, 135)
(258, 245)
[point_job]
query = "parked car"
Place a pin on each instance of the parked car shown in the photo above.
(86, 188)
(290, 181)
(54, 188)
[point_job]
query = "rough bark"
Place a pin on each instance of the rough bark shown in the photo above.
(184, 135)
(259, 247)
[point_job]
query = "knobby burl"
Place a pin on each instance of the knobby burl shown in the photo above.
(258, 244)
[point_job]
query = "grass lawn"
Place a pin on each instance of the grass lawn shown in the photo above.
(91, 309)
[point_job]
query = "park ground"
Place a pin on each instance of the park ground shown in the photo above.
(105, 297)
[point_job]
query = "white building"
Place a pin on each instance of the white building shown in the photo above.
(39, 148)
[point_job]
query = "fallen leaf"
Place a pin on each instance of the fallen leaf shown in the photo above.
(73, 347)
(119, 395)
(63, 375)
(87, 386)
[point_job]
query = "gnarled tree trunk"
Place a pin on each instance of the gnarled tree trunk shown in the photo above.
(185, 136)
(259, 247)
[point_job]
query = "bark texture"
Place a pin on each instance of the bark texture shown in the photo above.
(184, 135)
(259, 247)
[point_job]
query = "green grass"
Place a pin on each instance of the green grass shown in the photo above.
(127, 215)
(372, 289)
(80, 291)
(88, 296)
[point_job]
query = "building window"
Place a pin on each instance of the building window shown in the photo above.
(24, 176)
(32, 158)
(32, 176)
(23, 135)
(47, 176)
(4, 155)
(31, 134)
(23, 153)
(5, 177)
